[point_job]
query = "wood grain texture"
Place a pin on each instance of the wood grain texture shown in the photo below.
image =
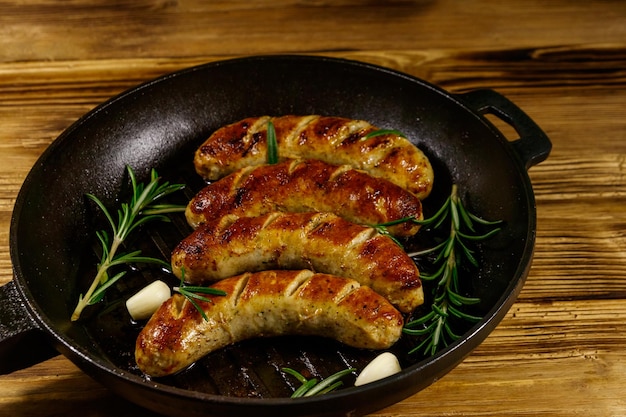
(560, 350)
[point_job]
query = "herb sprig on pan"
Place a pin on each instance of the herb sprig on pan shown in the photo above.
(272, 144)
(314, 386)
(193, 293)
(141, 209)
(448, 302)
(383, 228)
(381, 132)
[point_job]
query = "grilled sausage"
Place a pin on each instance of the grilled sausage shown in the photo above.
(322, 242)
(309, 185)
(263, 304)
(336, 140)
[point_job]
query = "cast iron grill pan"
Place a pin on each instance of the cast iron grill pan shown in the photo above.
(159, 124)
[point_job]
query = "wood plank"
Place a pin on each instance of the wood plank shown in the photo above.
(65, 31)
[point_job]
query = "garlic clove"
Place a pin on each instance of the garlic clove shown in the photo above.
(382, 366)
(143, 304)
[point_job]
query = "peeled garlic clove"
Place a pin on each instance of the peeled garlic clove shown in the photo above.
(382, 366)
(143, 304)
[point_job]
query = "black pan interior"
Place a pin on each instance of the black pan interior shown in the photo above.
(159, 125)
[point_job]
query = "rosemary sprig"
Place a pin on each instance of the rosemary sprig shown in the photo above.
(383, 228)
(381, 132)
(448, 302)
(272, 144)
(192, 293)
(313, 386)
(140, 210)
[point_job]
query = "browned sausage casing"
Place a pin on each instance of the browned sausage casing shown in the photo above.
(336, 140)
(268, 303)
(322, 242)
(305, 186)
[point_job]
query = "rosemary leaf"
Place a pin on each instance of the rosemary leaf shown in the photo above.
(423, 331)
(419, 321)
(381, 132)
(134, 257)
(450, 333)
(437, 274)
(439, 216)
(483, 221)
(479, 237)
(382, 230)
(304, 388)
(398, 221)
(331, 381)
(458, 313)
(417, 332)
(429, 251)
(99, 293)
(440, 311)
(295, 374)
(311, 387)
(190, 292)
(467, 252)
(437, 336)
(197, 306)
(445, 277)
(272, 144)
(204, 290)
(104, 210)
(424, 345)
(454, 212)
(460, 300)
(447, 250)
(189, 295)
(467, 219)
(328, 388)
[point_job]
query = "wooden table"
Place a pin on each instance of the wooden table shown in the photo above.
(560, 350)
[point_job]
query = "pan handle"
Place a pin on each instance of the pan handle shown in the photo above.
(533, 145)
(22, 342)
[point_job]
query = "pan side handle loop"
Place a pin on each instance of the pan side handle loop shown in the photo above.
(22, 342)
(533, 145)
